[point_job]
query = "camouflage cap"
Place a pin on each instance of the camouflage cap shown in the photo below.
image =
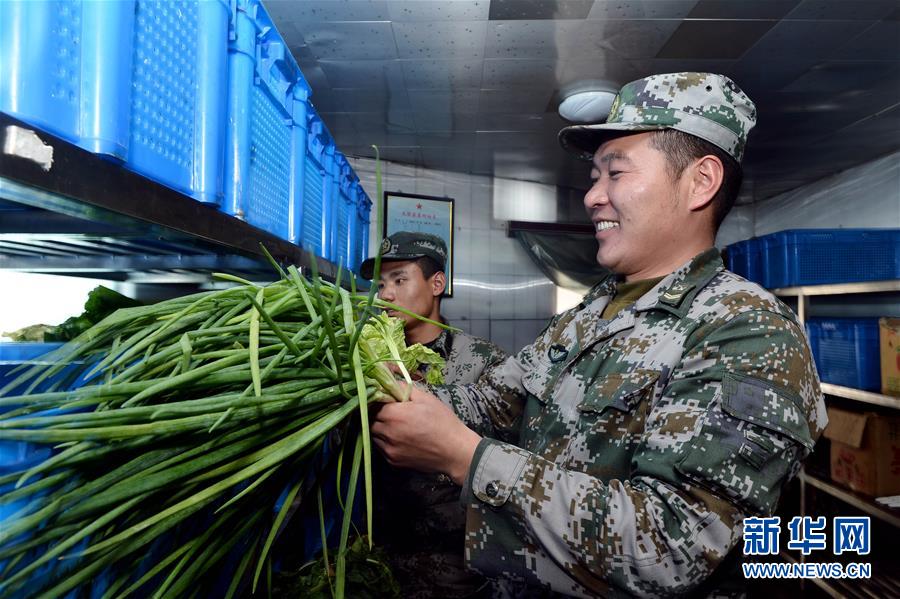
(706, 105)
(408, 245)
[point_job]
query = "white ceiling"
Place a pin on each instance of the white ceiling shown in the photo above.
(473, 85)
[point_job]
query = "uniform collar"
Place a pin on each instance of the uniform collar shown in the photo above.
(443, 343)
(677, 291)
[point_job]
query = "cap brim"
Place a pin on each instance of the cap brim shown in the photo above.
(583, 140)
(367, 268)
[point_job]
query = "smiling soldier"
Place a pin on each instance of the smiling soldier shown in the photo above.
(620, 453)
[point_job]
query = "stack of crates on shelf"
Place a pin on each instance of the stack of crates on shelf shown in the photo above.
(268, 104)
(818, 257)
(138, 81)
(846, 351)
(316, 198)
(744, 259)
(202, 96)
(346, 231)
(824, 256)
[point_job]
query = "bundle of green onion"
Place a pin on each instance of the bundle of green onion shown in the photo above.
(198, 424)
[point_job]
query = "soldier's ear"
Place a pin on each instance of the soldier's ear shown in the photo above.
(705, 177)
(438, 283)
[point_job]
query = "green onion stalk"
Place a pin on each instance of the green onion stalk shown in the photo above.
(182, 436)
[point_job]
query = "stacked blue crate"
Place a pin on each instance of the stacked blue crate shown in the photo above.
(825, 256)
(18, 456)
(313, 223)
(139, 81)
(344, 239)
(846, 351)
(267, 107)
(746, 258)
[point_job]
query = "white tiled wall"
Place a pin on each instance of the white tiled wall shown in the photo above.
(499, 294)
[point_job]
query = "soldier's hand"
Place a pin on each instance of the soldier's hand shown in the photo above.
(424, 434)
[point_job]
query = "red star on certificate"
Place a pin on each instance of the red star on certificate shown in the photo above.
(418, 206)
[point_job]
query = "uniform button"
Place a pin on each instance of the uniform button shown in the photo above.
(491, 489)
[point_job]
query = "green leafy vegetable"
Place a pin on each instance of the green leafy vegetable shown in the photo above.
(385, 340)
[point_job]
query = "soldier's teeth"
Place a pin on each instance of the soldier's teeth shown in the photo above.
(606, 224)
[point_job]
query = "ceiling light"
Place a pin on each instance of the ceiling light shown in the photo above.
(588, 102)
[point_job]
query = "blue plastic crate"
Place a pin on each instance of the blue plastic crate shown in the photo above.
(746, 259)
(140, 81)
(347, 221)
(846, 351)
(822, 256)
(315, 214)
(268, 103)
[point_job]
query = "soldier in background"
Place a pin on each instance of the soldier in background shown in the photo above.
(418, 518)
(620, 452)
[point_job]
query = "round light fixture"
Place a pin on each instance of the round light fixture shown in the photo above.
(589, 102)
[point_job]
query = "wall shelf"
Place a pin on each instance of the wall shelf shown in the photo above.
(860, 502)
(863, 396)
(840, 289)
(88, 216)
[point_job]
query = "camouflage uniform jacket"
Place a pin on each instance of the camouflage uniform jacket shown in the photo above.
(421, 523)
(621, 456)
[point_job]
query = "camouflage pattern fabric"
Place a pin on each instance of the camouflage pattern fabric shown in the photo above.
(706, 105)
(420, 520)
(621, 456)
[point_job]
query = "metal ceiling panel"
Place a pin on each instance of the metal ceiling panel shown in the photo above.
(851, 76)
(371, 74)
(626, 39)
(438, 10)
(741, 9)
(361, 100)
(641, 9)
(501, 73)
(604, 66)
(443, 40)
(519, 122)
(790, 40)
(529, 10)
(341, 125)
(427, 100)
(529, 39)
(444, 120)
(757, 77)
(721, 39)
(441, 159)
(316, 78)
(515, 141)
(426, 75)
(670, 65)
(305, 11)
(380, 125)
(349, 40)
(842, 9)
(442, 74)
(881, 41)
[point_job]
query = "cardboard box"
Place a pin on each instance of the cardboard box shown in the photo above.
(889, 333)
(865, 451)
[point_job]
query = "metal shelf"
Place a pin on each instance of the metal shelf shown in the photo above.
(88, 216)
(840, 289)
(822, 583)
(864, 396)
(860, 502)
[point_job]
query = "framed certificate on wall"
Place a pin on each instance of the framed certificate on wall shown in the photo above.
(422, 214)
